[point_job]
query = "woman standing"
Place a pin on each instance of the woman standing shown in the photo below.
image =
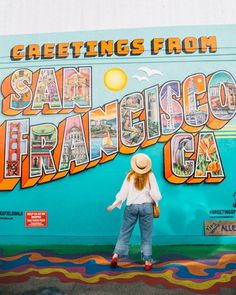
(140, 190)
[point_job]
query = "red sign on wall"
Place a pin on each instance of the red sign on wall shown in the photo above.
(36, 219)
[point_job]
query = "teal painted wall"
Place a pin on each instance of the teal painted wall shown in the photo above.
(76, 204)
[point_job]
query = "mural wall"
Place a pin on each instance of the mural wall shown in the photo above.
(75, 107)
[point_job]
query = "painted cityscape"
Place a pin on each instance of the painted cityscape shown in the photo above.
(16, 147)
(47, 90)
(194, 116)
(132, 133)
(19, 82)
(174, 117)
(222, 96)
(103, 132)
(77, 87)
(152, 107)
(74, 146)
(43, 140)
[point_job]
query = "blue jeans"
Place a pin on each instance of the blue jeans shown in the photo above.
(143, 212)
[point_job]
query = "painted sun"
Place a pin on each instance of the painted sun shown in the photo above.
(115, 79)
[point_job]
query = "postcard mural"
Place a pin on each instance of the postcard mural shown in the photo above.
(84, 99)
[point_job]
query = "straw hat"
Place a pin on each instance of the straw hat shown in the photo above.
(141, 163)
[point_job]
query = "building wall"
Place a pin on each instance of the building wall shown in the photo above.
(76, 204)
(24, 17)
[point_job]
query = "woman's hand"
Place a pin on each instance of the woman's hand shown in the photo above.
(110, 208)
(114, 205)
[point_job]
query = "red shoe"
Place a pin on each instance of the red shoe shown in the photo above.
(114, 262)
(148, 267)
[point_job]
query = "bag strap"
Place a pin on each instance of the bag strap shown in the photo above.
(150, 188)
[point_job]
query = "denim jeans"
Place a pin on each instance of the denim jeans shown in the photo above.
(143, 212)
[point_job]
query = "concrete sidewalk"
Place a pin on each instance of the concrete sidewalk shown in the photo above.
(52, 286)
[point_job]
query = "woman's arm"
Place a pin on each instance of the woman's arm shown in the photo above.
(154, 189)
(121, 196)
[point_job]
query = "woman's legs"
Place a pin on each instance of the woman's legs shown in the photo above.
(129, 221)
(145, 224)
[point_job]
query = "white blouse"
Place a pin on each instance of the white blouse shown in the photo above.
(130, 193)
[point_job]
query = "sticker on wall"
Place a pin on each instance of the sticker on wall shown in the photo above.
(220, 228)
(36, 219)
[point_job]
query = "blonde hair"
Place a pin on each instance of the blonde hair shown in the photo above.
(140, 180)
